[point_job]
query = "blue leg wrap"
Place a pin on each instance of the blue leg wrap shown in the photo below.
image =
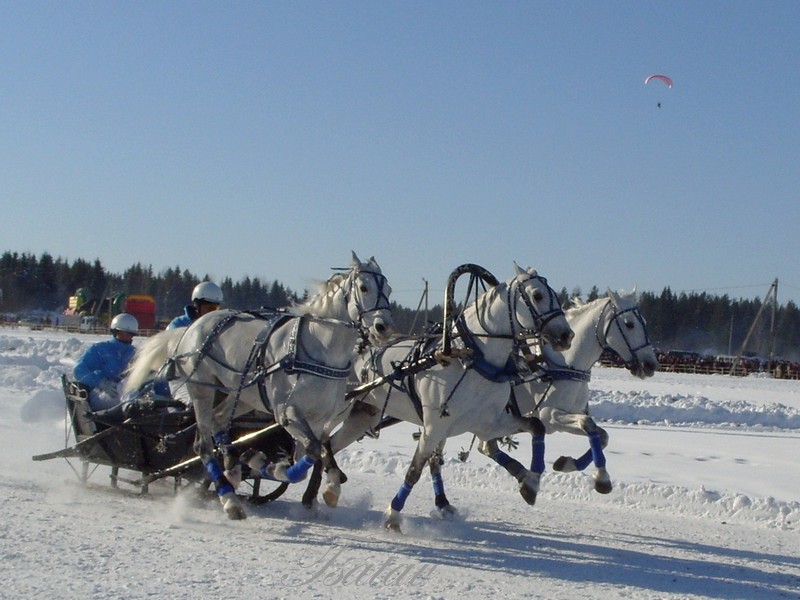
(537, 462)
(438, 484)
(222, 485)
(597, 450)
(501, 458)
(298, 470)
(295, 473)
(439, 497)
(584, 461)
(399, 501)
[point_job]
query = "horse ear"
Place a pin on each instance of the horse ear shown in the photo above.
(614, 296)
(518, 269)
(355, 261)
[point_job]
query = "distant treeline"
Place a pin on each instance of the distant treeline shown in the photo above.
(704, 323)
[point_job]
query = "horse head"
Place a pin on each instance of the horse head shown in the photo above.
(367, 293)
(625, 332)
(539, 309)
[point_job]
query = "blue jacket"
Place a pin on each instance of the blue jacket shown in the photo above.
(103, 360)
(187, 318)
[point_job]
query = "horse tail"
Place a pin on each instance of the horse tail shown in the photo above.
(151, 356)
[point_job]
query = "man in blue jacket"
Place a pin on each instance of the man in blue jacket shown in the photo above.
(101, 366)
(206, 298)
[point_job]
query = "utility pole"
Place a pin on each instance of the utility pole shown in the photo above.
(773, 292)
(424, 298)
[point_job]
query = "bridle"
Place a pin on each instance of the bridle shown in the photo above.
(351, 291)
(540, 319)
(616, 319)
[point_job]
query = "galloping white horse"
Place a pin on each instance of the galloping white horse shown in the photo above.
(561, 398)
(292, 365)
(466, 393)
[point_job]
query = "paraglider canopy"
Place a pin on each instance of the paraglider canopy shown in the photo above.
(663, 78)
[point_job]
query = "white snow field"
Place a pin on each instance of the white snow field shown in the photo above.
(706, 504)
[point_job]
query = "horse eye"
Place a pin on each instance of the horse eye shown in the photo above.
(537, 296)
(629, 324)
(363, 289)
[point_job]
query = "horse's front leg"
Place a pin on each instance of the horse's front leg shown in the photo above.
(335, 477)
(528, 479)
(443, 506)
(425, 448)
(293, 421)
(204, 448)
(583, 424)
(361, 419)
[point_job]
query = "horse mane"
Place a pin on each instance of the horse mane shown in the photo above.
(321, 303)
(578, 307)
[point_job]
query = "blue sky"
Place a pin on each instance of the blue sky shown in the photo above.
(270, 139)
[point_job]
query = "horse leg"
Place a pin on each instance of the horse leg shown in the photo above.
(314, 482)
(212, 418)
(361, 419)
(598, 440)
(422, 455)
(297, 426)
(225, 490)
(443, 506)
(528, 479)
(335, 477)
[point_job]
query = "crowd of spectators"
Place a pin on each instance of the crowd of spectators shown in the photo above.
(677, 361)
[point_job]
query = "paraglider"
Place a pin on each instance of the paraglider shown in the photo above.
(663, 78)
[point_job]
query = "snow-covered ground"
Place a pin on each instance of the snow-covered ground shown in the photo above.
(706, 504)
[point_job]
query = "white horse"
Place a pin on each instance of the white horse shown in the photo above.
(561, 397)
(466, 393)
(292, 365)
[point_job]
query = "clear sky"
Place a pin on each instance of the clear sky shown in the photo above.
(270, 139)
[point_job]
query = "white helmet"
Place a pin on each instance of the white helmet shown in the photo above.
(125, 322)
(207, 292)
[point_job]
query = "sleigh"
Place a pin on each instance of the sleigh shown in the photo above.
(154, 441)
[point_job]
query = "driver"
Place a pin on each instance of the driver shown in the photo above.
(206, 298)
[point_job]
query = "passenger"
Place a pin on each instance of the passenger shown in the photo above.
(101, 366)
(206, 298)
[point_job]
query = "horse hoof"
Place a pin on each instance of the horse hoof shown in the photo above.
(565, 464)
(392, 522)
(331, 498)
(528, 494)
(448, 512)
(236, 513)
(529, 487)
(392, 526)
(255, 459)
(602, 482)
(232, 507)
(603, 487)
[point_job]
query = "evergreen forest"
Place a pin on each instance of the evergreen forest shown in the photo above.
(697, 322)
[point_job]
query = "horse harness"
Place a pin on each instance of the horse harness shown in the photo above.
(255, 370)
